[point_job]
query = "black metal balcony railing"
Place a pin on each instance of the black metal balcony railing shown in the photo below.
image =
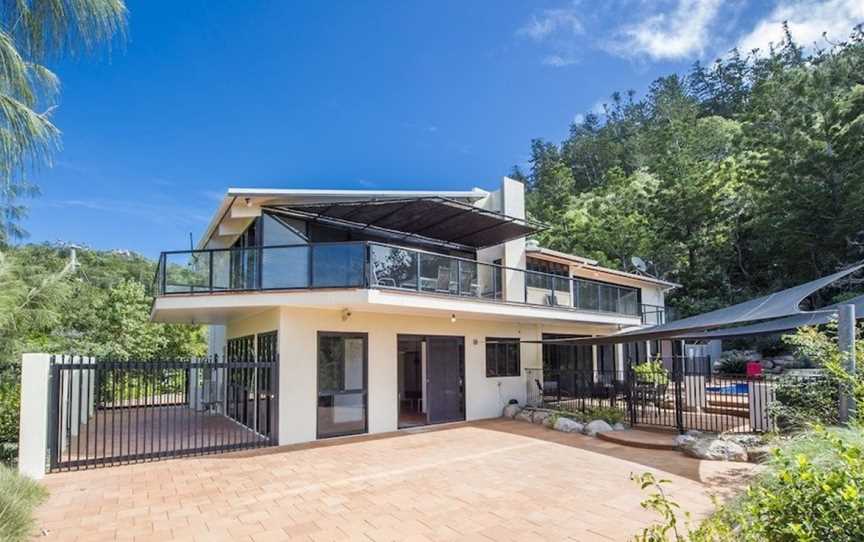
(375, 265)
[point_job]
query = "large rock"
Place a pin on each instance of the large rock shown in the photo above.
(597, 426)
(619, 427)
(523, 415)
(510, 411)
(539, 416)
(714, 449)
(549, 421)
(567, 425)
(682, 441)
(758, 454)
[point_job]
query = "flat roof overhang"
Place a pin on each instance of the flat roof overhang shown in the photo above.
(219, 309)
(454, 223)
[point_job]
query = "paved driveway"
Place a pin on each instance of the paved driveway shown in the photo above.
(492, 480)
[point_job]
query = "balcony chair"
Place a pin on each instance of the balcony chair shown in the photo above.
(443, 284)
(385, 281)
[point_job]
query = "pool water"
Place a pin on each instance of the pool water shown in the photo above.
(733, 389)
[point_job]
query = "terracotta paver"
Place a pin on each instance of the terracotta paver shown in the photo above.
(490, 480)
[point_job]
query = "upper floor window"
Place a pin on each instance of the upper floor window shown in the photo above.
(502, 357)
(547, 267)
(282, 230)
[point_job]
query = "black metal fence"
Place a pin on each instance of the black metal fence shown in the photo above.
(115, 412)
(685, 394)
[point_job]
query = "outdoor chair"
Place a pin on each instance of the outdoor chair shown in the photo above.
(443, 285)
(382, 281)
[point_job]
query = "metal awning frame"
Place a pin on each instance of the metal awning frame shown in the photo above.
(321, 217)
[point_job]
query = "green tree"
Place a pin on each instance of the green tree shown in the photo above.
(32, 32)
(756, 165)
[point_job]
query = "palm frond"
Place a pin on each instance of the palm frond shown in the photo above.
(45, 27)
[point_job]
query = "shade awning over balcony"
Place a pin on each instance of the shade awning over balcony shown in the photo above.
(434, 218)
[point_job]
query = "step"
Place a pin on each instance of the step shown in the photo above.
(640, 438)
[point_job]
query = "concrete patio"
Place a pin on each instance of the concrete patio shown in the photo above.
(490, 480)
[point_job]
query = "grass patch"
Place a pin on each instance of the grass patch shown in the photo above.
(19, 496)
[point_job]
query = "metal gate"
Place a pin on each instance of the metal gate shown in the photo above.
(104, 412)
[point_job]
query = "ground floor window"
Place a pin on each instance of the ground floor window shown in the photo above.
(342, 383)
(502, 357)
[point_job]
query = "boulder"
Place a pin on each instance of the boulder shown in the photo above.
(539, 416)
(758, 454)
(567, 425)
(682, 441)
(746, 440)
(523, 415)
(510, 411)
(549, 421)
(619, 427)
(597, 426)
(715, 449)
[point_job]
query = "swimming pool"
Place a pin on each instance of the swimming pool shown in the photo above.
(732, 389)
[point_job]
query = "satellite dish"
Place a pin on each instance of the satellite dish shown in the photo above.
(639, 264)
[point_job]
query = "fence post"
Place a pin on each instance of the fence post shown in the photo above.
(33, 425)
(678, 376)
(846, 338)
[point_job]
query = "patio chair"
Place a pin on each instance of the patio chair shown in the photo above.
(443, 285)
(383, 281)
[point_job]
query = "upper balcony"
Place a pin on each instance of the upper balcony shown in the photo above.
(363, 265)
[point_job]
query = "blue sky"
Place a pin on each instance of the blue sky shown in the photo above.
(207, 95)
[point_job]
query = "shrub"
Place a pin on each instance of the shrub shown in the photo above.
(801, 401)
(18, 497)
(651, 371)
(812, 490)
(733, 362)
(610, 415)
(9, 407)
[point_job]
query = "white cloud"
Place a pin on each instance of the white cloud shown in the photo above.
(578, 118)
(552, 21)
(807, 20)
(556, 30)
(558, 61)
(681, 33)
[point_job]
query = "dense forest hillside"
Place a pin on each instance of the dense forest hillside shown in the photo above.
(735, 179)
(95, 303)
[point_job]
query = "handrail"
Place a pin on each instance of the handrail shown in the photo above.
(250, 277)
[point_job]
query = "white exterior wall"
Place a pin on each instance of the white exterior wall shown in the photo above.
(298, 350)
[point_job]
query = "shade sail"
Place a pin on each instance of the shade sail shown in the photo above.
(815, 318)
(785, 303)
(435, 218)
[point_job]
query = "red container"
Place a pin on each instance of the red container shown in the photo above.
(754, 368)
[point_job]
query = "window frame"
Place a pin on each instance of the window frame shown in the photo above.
(497, 343)
(364, 393)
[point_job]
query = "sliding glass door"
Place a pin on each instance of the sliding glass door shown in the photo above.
(342, 383)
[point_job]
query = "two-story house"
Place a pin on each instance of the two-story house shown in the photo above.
(392, 309)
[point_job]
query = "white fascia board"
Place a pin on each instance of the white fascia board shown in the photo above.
(319, 193)
(210, 308)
